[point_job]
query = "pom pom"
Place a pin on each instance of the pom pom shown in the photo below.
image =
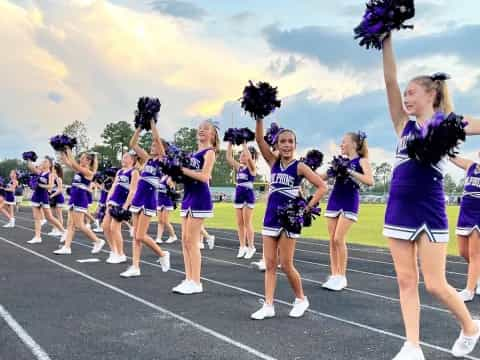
(23, 177)
(99, 178)
(339, 167)
(438, 138)
(69, 191)
(313, 159)
(381, 18)
(53, 201)
(311, 215)
(62, 142)
(293, 214)
(29, 155)
(173, 162)
(272, 132)
(147, 109)
(120, 214)
(108, 183)
(174, 196)
(33, 181)
(111, 171)
(260, 100)
(239, 136)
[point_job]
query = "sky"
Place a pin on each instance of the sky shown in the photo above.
(90, 60)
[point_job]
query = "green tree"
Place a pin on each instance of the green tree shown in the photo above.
(116, 137)
(106, 157)
(382, 174)
(186, 139)
(222, 172)
(78, 130)
(449, 184)
(460, 186)
(145, 141)
(10, 164)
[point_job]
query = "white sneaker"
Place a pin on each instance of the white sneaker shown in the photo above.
(111, 258)
(179, 286)
(63, 251)
(10, 224)
(98, 246)
(477, 291)
(201, 246)
(43, 222)
(97, 228)
(211, 241)
(339, 283)
(120, 259)
(171, 239)
(54, 232)
(466, 295)
(465, 344)
(131, 272)
(165, 261)
(265, 312)
(299, 307)
(35, 240)
(159, 241)
(188, 287)
(260, 265)
(242, 251)
(330, 282)
(250, 253)
(410, 352)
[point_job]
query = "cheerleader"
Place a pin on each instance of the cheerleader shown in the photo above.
(197, 205)
(121, 195)
(57, 200)
(40, 200)
(84, 170)
(286, 176)
(415, 219)
(343, 204)
(468, 225)
(8, 199)
(244, 201)
(144, 202)
(164, 207)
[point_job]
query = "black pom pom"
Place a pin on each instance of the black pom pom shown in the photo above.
(239, 136)
(438, 138)
(382, 17)
(120, 214)
(271, 134)
(173, 162)
(260, 100)
(62, 142)
(313, 159)
(147, 109)
(339, 167)
(30, 155)
(111, 171)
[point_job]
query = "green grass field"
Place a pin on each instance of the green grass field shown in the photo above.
(367, 231)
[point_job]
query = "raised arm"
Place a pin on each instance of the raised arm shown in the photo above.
(72, 163)
(205, 174)
(156, 138)
(133, 144)
(230, 160)
(367, 176)
(473, 127)
(394, 95)
(315, 180)
(265, 150)
(462, 163)
(250, 162)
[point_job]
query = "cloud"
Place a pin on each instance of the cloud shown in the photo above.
(180, 9)
(241, 17)
(338, 49)
(282, 67)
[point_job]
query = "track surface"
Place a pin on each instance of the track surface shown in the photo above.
(78, 310)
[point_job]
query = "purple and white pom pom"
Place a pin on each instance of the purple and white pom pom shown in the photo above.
(438, 138)
(338, 167)
(62, 142)
(174, 160)
(260, 100)
(272, 133)
(381, 18)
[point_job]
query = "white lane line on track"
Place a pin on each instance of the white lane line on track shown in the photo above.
(32, 345)
(253, 293)
(146, 303)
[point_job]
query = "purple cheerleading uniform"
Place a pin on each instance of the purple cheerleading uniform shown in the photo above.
(284, 186)
(469, 217)
(345, 197)
(79, 193)
(121, 190)
(40, 195)
(9, 195)
(58, 200)
(146, 195)
(416, 202)
(197, 200)
(165, 203)
(244, 193)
